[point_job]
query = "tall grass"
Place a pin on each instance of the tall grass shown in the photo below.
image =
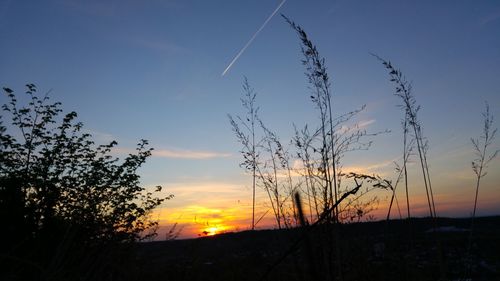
(333, 196)
(483, 158)
(325, 188)
(480, 163)
(411, 122)
(248, 138)
(267, 159)
(403, 90)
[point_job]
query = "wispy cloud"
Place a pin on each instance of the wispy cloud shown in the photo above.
(188, 154)
(157, 45)
(176, 153)
(490, 17)
(100, 137)
(204, 204)
(370, 168)
(365, 123)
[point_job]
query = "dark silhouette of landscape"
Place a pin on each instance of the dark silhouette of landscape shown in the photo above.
(72, 210)
(371, 251)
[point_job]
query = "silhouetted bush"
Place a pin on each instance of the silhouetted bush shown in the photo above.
(61, 195)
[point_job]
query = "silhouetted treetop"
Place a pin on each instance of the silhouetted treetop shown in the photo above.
(53, 177)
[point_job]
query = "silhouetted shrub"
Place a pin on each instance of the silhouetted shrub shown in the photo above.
(60, 193)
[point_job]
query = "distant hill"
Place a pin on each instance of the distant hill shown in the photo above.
(370, 251)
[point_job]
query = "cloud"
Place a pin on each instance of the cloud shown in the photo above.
(490, 18)
(370, 168)
(176, 153)
(188, 154)
(157, 45)
(209, 196)
(204, 205)
(215, 195)
(365, 123)
(100, 137)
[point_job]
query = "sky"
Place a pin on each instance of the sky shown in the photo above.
(153, 70)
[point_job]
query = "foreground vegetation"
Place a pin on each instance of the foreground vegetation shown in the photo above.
(371, 251)
(319, 196)
(72, 210)
(69, 208)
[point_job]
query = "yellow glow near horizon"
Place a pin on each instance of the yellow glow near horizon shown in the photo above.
(211, 208)
(214, 230)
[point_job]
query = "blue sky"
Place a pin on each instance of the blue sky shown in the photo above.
(152, 69)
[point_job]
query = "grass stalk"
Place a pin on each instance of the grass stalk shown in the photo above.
(479, 165)
(248, 138)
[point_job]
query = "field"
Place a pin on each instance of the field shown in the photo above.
(370, 251)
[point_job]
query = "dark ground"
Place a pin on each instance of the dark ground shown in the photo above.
(369, 251)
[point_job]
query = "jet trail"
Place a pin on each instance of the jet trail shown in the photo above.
(253, 37)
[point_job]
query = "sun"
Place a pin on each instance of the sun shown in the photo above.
(213, 230)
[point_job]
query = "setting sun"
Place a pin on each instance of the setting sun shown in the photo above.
(214, 230)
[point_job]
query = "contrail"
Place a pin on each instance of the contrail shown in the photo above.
(253, 37)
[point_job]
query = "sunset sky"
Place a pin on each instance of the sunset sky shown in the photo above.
(153, 70)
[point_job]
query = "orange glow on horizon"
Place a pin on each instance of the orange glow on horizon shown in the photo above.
(198, 221)
(211, 208)
(214, 230)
